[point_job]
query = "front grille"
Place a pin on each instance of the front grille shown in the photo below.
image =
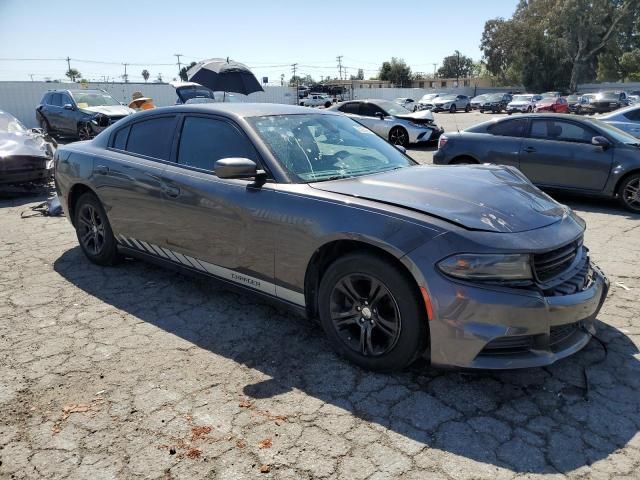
(560, 333)
(575, 284)
(549, 265)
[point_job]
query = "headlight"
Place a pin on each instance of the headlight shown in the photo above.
(496, 267)
(418, 125)
(445, 105)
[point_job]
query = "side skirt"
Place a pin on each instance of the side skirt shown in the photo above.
(194, 272)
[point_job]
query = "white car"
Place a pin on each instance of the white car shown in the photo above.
(391, 121)
(408, 103)
(626, 119)
(316, 100)
(426, 102)
(523, 103)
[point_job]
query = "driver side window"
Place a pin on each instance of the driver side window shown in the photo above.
(561, 131)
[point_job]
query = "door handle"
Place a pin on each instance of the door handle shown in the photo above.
(529, 149)
(170, 191)
(102, 170)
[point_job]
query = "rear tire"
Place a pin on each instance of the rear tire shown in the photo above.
(94, 231)
(629, 193)
(372, 313)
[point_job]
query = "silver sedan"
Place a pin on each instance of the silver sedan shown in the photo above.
(627, 119)
(391, 121)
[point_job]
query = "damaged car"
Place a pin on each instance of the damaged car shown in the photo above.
(391, 121)
(26, 155)
(79, 114)
(468, 266)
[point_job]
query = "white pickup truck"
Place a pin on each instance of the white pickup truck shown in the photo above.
(316, 100)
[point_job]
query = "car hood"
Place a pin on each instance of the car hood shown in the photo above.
(442, 100)
(24, 144)
(419, 115)
(480, 197)
(110, 110)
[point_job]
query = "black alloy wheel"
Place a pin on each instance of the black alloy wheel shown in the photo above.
(372, 312)
(94, 231)
(629, 193)
(85, 132)
(365, 314)
(399, 136)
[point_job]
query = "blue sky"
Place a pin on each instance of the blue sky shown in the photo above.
(266, 35)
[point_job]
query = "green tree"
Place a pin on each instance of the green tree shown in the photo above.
(396, 71)
(630, 65)
(183, 72)
(145, 74)
(73, 74)
(456, 66)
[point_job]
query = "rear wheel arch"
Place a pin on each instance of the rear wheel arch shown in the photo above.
(324, 256)
(74, 194)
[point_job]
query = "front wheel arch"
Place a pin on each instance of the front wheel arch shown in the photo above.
(464, 160)
(620, 183)
(331, 251)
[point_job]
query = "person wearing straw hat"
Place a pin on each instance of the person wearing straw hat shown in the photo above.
(140, 102)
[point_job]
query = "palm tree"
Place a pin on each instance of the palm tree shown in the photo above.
(145, 75)
(72, 74)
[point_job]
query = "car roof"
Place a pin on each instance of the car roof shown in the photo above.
(240, 110)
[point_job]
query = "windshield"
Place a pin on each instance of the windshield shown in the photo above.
(428, 96)
(316, 147)
(522, 98)
(616, 133)
(447, 97)
(479, 98)
(496, 97)
(573, 98)
(391, 108)
(549, 94)
(93, 99)
(9, 123)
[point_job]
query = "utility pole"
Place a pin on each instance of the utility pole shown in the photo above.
(295, 79)
(434, 69)
(457, 68)
(339, 59)
(31, 75)
(125, 76)
(179, 67)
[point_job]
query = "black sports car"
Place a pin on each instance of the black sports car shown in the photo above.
(471, 265)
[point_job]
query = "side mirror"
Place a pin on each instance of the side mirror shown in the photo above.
(238, 168)
(68, 106)
(380, 115)
(601, 142)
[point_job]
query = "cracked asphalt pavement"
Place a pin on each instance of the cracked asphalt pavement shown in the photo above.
(139, 372)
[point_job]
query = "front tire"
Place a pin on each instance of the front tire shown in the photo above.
(467, 109)
(399, 136)
(529, 109)
(94, 231)
(85, 132)
(372, 313)
(629, 193)
(453, 109)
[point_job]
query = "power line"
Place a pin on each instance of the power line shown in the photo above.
(178, 55)
(339, 59)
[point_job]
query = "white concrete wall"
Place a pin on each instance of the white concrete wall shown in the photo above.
(596, 87)
(21, 98)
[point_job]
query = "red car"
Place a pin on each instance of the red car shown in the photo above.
(553, 105)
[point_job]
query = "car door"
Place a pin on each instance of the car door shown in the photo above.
(128, 181)
(220, 225)
(504, 149)
(69, 116)
(54, 112)
(559, 153)
(369, 115)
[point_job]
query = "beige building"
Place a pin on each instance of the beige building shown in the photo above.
(481, 82)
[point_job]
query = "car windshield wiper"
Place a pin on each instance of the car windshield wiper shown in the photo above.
(633, 144)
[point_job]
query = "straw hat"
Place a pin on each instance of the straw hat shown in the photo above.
(138, 99)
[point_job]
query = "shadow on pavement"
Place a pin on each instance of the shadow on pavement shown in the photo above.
(545, 420)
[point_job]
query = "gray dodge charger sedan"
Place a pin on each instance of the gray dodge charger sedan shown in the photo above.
(471, 266)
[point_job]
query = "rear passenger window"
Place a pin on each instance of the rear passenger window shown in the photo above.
(55, 99)
(205, 140)
(508, 128)
(350, 107)
(152, 138)
(120, 138)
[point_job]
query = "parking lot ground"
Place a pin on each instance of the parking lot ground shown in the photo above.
(138, 372)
